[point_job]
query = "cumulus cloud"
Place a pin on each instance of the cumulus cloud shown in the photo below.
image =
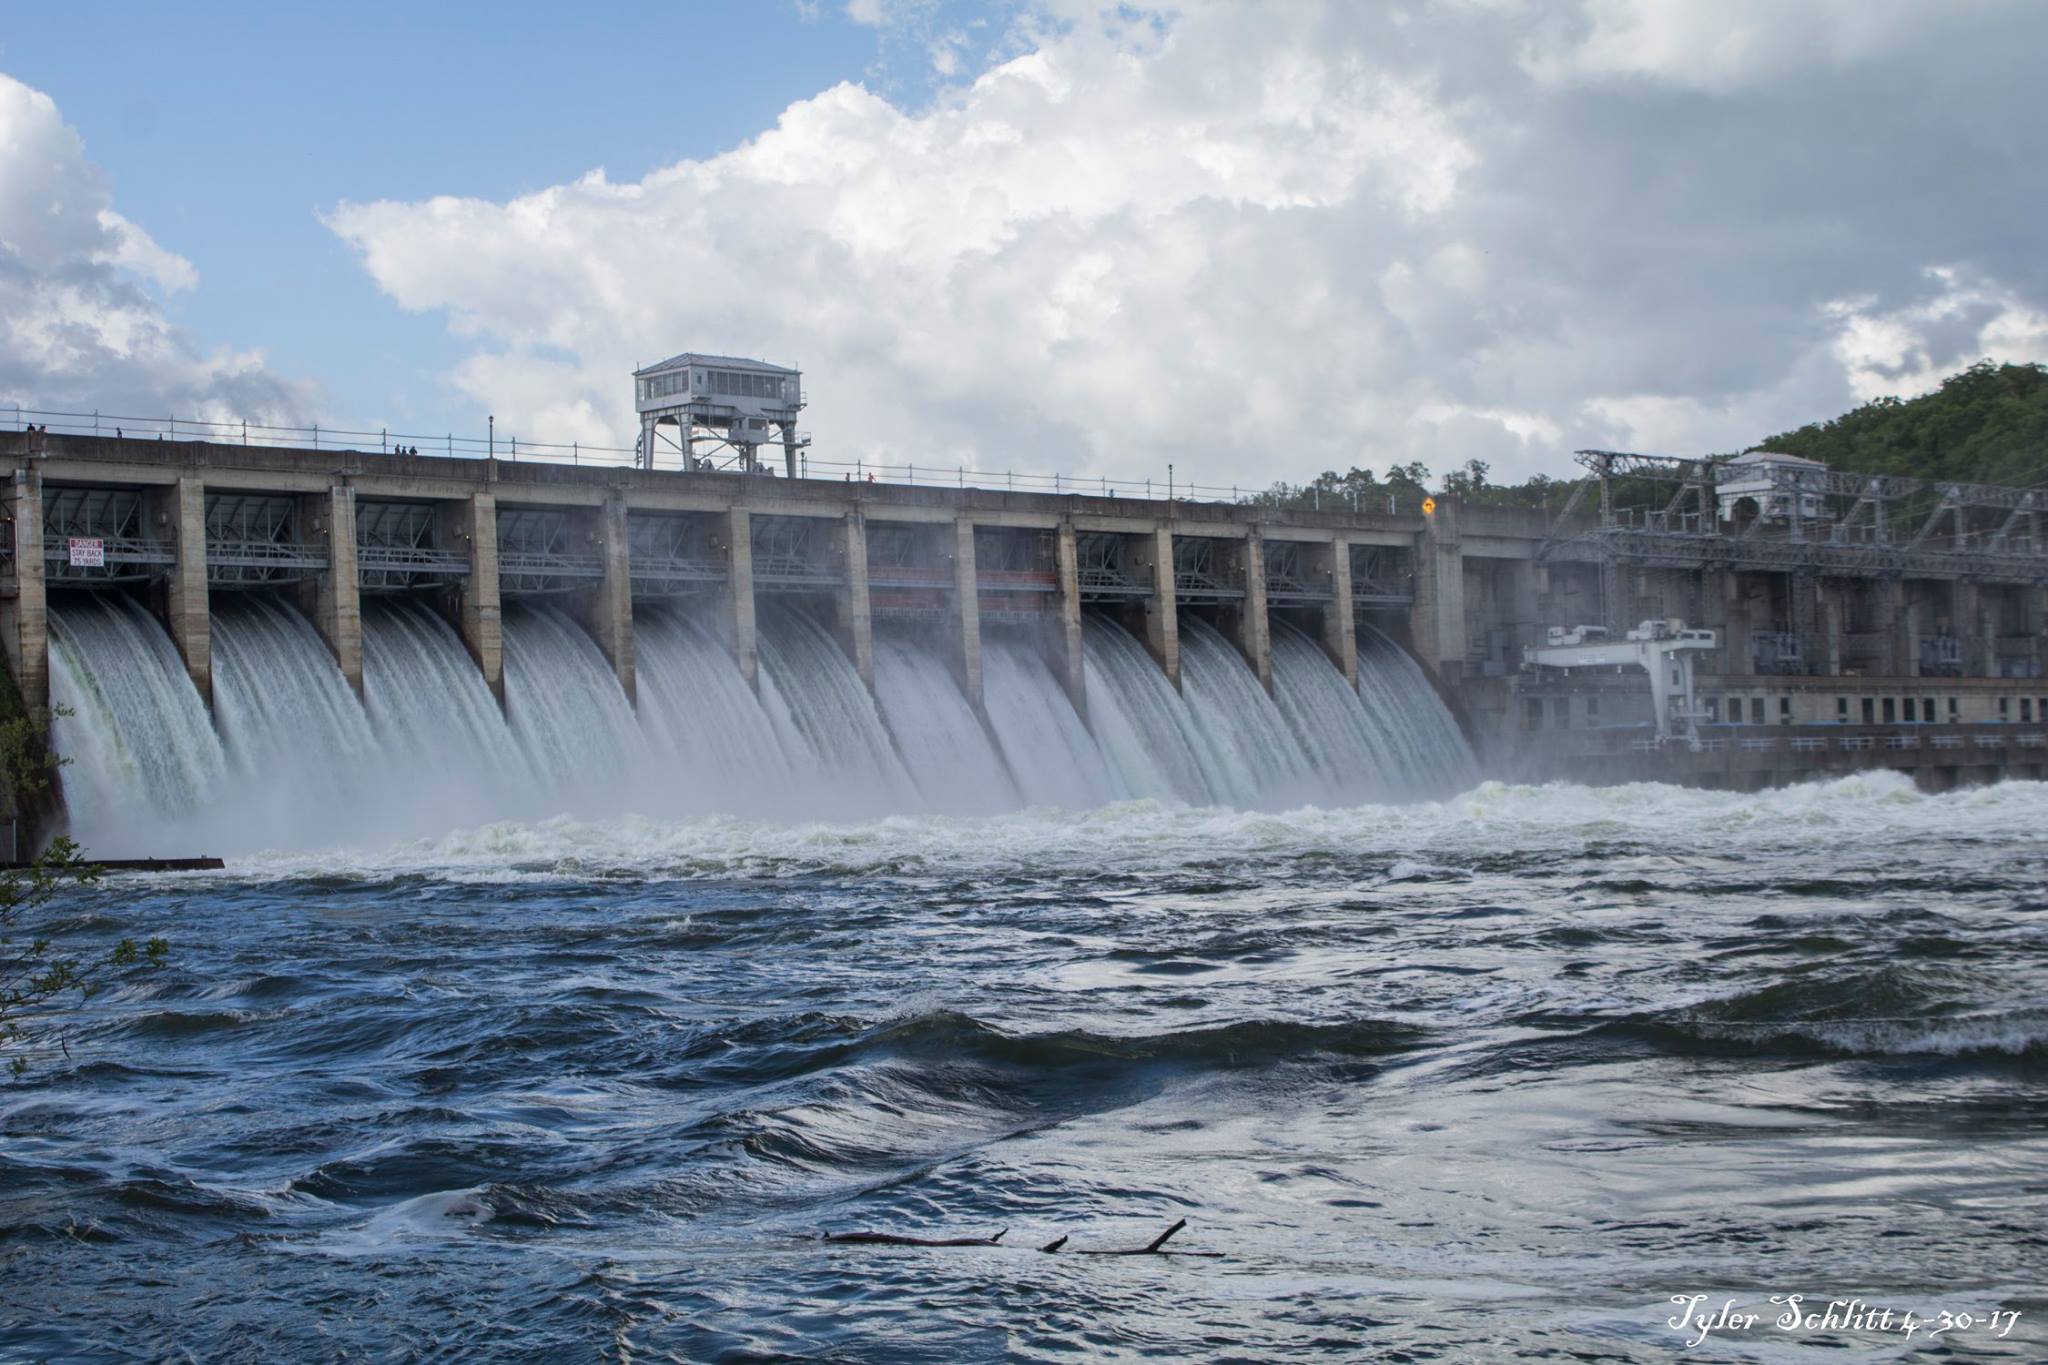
(1910, 348)
(1258, 241)
(1717, 45)
(78, 330)
(136, 251)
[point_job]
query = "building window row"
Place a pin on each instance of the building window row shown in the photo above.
(723, 383)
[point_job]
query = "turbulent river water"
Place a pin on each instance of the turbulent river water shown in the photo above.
(1489, 1073)
(1483, 1078)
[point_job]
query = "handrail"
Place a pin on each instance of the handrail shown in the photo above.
(448, 445)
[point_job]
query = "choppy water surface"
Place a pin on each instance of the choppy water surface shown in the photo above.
(1481, 1079)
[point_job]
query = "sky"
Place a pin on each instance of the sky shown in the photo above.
(1255, 241)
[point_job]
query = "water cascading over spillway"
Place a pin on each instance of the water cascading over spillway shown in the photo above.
(1222, 740)
(297, 761)
(845, 763)
(1260, 760)
(1142, 724)
(703, 723)
(445, 742)
(1429, 752)
(1051, 755)
(565, 707)
(937, 734)
(300, 751)
(141, 756)
(1388, 740)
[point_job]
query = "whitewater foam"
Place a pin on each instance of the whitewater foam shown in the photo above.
(1146, 835)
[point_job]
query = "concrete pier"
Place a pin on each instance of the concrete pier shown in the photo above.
(738, 601)
(1902, 633)
(186, 615)
(25, 615)
(1339, 633)
(1737, 655)
(334, 600)
(479, 617)
(1974, 626)
(1254, 629)
(854, 621)
(1154, 557)
(1438, 621)
(1068, 646)
(606, 611)
(966, 612)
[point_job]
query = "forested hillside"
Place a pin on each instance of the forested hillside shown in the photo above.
(1988, 424)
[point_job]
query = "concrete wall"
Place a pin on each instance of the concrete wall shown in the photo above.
(478, 615)
(1067, 649)
(966, 616)
(1152, 559)
(329, 485)
(737, 600)
(1480, 592)
(854, 623)
(334, 600)
(24, 620)
(605, 611)
(1438, 620)
(181, 507)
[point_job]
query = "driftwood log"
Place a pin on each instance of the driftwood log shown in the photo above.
(897, 1239)
(1155, 1247)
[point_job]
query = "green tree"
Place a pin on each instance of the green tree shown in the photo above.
(36, 972)
(1468, 484)
(1407, 484)
(1988, 424)
(1329, 489)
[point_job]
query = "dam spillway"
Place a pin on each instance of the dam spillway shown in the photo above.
(381, 643)
(274, 648)
(301, 762)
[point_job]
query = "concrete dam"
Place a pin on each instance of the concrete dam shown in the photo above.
(265, 647)
(258, 647)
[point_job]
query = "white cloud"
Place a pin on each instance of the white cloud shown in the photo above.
(1061, 262)
(1909, 350)
(137, 252)
(76, 330)
(1257, 241)
(1716, 45)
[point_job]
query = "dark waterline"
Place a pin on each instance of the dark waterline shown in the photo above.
(1484, 1079)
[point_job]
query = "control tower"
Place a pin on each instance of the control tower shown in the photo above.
(720, 410)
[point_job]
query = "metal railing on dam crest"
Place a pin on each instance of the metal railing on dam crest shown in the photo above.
(1162, 486)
